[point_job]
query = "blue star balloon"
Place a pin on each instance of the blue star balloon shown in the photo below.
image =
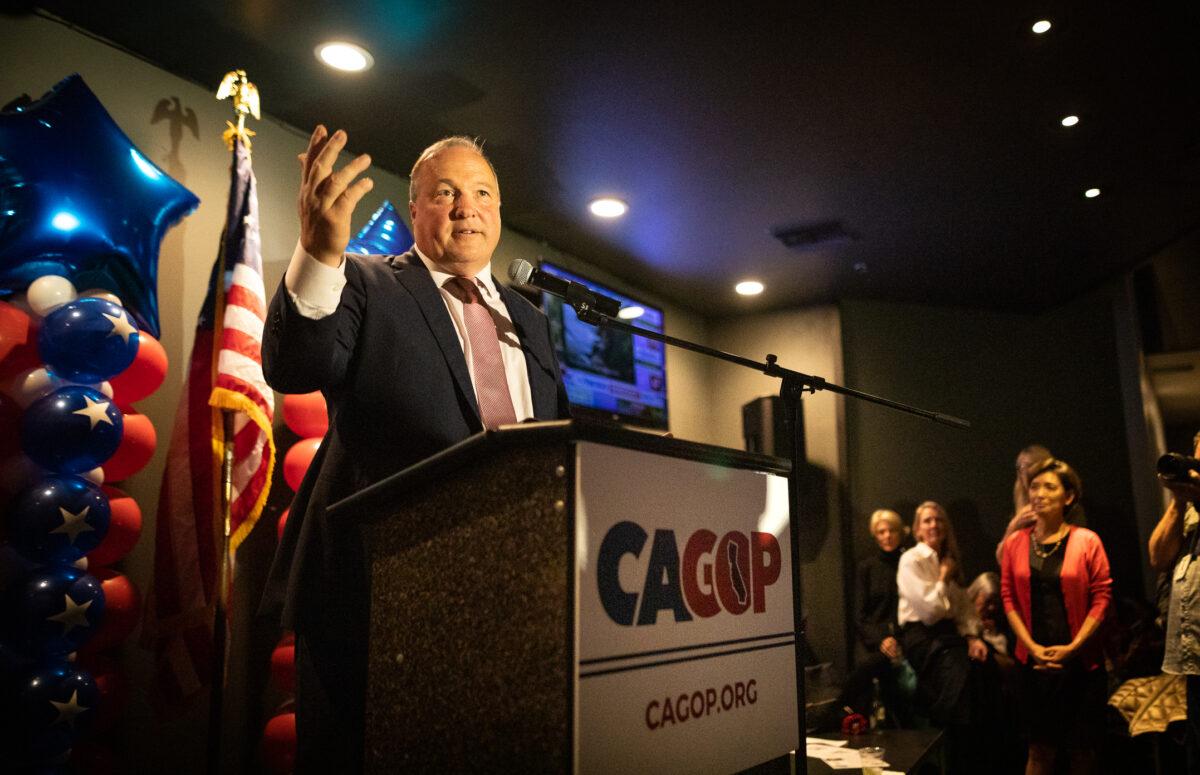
(72, 430)
(58, 608)
(54, 705)
(88, 340)
(385, 234)
(77, 199)
(59, 519)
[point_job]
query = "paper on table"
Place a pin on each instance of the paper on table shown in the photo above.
(835, 757)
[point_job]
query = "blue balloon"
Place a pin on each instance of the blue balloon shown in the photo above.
(60, 519)
(54, 704)
(57, 609)
(385, 234)
(72, 430)
(88, 340)
(78, 199)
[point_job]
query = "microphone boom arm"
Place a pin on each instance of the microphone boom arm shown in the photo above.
(793, 381)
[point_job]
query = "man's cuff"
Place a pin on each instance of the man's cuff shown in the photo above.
(315, 288)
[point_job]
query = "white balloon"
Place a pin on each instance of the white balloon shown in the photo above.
(81, 563)
(105, 387)
(103, 293)
(31, 384)
(95, 476)
(48, 293)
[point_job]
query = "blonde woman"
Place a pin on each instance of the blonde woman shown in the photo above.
(877, 595)
(939, 629)
(875, 620)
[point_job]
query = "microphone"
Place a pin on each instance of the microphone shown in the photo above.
(1175, 466)
(522, 272)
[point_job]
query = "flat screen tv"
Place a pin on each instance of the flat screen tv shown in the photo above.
(609, 374)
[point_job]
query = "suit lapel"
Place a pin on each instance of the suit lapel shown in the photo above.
(413, 275)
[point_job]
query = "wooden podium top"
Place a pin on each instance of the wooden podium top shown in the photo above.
(553, 432)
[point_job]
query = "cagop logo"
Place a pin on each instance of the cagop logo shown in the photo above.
(730, 574)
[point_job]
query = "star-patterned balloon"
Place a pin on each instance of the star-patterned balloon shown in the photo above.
(88, 340)
(60, 519)
(77, 199)
(72, 430)
(385, 234)
(58, 608)
(54, 704)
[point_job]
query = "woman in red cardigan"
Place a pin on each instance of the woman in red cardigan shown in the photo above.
(1056, 589)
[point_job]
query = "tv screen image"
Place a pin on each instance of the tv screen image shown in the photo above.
(609, 373)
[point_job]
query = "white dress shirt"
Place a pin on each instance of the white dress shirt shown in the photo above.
(316, 290)
(925, 598)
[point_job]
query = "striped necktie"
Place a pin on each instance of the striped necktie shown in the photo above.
(487, 364)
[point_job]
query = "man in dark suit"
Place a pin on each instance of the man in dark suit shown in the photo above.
(413, 354)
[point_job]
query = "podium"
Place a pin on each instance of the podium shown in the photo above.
(577, 597)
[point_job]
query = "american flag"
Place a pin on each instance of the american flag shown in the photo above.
(225, 374)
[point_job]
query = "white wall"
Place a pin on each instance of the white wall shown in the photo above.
(808, 341)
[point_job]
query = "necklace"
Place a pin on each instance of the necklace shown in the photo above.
(1044, 553)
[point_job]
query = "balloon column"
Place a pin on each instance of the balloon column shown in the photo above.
(83, 208)
(308, 417)
(385, 234)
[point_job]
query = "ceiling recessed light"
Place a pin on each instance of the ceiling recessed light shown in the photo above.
(1070, 120)
(1092, 193)
(749, 287)
(608, 207)
(630, 313)
(345, 56)
(1041, 26)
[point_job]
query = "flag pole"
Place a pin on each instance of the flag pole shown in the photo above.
(216, 705)
(235, 85)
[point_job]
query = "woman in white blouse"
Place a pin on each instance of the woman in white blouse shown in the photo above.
(939, 628)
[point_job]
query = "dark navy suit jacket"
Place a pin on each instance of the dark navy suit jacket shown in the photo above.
(394, 376)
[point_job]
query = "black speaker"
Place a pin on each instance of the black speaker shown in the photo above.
(765, 428)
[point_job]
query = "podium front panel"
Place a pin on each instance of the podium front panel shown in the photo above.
(685, 638)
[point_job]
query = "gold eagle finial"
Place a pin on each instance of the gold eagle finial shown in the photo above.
(237, 85)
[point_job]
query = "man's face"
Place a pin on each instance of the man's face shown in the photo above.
(456, 215)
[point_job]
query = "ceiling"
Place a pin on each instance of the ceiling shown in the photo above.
(933, 137)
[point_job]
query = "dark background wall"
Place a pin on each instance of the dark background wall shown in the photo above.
(1050, 378)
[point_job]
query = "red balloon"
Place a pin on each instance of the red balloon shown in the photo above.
(15, 329)
(114, 690)
(124, 529)
(122, 609)
(306, 414)
(280, 524)
(17, 336)
(283, 665)
(144, 375)
(138, 443)
(278, 747)
(297, 461)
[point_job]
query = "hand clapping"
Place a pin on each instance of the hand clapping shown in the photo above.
(327, 198)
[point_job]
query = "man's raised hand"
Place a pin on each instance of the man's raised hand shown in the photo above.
(328, 197)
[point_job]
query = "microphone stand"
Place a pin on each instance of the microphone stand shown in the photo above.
(793, 386)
